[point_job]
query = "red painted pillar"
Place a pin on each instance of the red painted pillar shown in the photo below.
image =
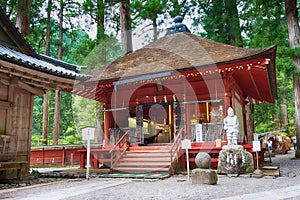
(227, 98)
(188, 122)
(107, 119)
(245, 139)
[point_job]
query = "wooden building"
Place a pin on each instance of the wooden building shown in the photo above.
(181, 81)
(201, 77)
(24, 74)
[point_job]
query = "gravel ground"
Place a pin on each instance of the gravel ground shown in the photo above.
(175, 187)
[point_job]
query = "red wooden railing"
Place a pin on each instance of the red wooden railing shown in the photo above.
(57, 156)
(119, 149)
(175, 149)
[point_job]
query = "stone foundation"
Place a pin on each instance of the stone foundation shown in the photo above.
(204, 176)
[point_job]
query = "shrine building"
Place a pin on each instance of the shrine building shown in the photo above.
(181, 83)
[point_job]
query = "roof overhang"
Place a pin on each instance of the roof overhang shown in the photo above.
(252, 69)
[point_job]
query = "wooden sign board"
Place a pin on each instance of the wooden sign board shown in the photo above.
(88, 133)
(218, 142)
(256, 146)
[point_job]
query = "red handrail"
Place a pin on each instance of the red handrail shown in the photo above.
(175, 149)
(119, 148)
(118, 144)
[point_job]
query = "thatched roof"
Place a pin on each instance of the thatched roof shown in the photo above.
(173, 52)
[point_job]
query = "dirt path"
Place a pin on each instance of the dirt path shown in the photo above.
(177, 187)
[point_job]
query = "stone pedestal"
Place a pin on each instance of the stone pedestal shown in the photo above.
(235, 160)
(204, 176)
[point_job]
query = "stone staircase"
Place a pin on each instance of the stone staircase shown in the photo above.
(145, 160)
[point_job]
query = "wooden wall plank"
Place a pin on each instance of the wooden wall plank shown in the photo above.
(3, 92)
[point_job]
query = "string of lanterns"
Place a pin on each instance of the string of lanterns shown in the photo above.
(197, 72)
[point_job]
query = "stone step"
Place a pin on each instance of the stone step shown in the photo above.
(150, 148)
(144, 164)
(149, 151)
(149, 159)
(270, 167)
(146, 155)
(141, 170)
(145, 159)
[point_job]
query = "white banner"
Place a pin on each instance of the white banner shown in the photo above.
(199, 133)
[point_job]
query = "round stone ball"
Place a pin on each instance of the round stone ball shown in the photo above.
(203, 160)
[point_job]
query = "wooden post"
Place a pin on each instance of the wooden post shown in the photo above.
(207, 111)
(72, 159)
(227, 98)
(107, 119)
(139, 124)
(188, 122)
(28, 132)
(10, 98)
(63, 157)
(245, 139)
(170, 123)
(43, 156)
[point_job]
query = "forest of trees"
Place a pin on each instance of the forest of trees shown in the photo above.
(78, 31)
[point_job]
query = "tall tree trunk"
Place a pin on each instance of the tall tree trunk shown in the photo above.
(99, 134)
(45, 133)
(48, 32)
(100, 19)
(155, 34)
(23, 16)
(233, 23)
(61, 18)
(100, 28)
(56, 123)
(125, 21)
(294, 38)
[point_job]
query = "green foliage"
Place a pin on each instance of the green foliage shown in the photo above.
(263, 22)
(10, 7)
(149, 10)
(220, 21)
(67, 123)
(71, 137)
(106, 51)
(265, 120)
(212, 19)
(264, 25)
(37, 122)
(35, 140)
(181, 8)
(84, 112)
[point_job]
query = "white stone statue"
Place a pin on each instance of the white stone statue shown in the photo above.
(231, 126)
